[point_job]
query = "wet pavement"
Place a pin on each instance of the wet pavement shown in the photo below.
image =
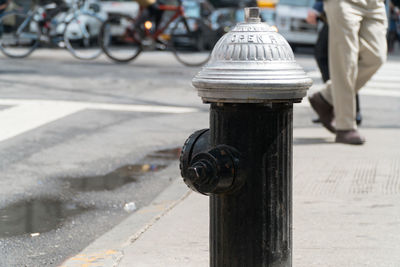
(154, 162)
(29, 223)
(70, 158)
(36, 216)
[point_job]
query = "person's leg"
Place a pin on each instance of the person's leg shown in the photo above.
(358, 110)
(392, 34)
(344, 24)
(156, 13)
(321, 52)
(373, 44)
(321, 56)
(319, 104)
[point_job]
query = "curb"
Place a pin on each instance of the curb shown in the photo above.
(108, 250)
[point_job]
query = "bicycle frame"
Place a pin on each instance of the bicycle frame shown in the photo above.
(30, 17)
(34, 13)
(179, 12)
(139, 33)
(64, 27)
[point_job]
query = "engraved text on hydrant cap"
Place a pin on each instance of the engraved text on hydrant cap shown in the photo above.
(253, 38)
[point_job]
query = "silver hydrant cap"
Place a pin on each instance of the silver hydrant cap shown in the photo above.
(252, 64)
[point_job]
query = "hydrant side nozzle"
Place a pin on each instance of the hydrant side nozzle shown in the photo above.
(214, 171)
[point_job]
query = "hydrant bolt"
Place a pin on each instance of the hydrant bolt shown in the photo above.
(200, 172)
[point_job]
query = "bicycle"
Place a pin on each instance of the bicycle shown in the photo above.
(75, 28)
(190, 39)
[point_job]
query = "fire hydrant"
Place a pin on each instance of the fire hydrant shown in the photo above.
(244, 161)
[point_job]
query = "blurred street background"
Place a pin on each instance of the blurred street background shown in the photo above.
(85, 143)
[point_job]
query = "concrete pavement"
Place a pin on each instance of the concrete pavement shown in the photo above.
(344, 197)
(346, 211)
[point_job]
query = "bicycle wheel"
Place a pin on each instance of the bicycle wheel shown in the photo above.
(19, 35)
(81, 36)
(191, 42)
(118, 38)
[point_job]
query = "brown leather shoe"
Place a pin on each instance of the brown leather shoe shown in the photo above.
(351, 137)
(324, 111)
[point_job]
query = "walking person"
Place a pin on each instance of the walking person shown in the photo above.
(321, 49)
(357, 49)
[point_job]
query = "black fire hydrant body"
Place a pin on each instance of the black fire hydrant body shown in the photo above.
(244, 161)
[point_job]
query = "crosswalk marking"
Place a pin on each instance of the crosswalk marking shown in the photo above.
(25, 115)
(366, 91)
(384, 83)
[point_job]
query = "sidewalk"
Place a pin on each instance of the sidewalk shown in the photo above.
(346, 212)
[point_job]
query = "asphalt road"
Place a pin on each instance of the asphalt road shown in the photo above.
(84, 143)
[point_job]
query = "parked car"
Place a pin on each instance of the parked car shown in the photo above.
(291, 22)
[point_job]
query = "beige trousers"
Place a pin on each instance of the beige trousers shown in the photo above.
(357, 48)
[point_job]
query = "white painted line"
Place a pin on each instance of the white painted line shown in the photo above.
(140, 108)
(382, 85)
(22, 118)
(25, 115)
(105, 106)
(366, 91)
(379, 86)
(380, 92)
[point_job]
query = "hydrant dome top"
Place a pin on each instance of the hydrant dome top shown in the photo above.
(257, 42)
(251, 63)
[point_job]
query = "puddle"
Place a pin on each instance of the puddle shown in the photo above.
(169, 154)
(119, 177)
(153, 162)
(36, 216)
